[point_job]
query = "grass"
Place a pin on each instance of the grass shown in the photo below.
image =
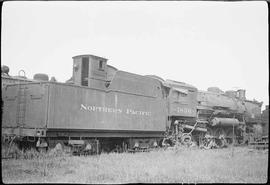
(175, 166)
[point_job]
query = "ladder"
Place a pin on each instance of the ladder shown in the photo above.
(21, 106)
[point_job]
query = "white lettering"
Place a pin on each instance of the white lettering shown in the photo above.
(113, 110)
(185, 110)
(83, 107)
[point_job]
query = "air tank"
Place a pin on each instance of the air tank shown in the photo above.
(224, 122)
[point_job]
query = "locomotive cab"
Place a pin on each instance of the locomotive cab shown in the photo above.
(182, 99)
(182, 111)
(90, 71)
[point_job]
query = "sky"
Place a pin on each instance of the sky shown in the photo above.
(205, 44)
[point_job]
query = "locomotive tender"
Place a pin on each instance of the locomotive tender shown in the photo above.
(108, 109)
(99, 103)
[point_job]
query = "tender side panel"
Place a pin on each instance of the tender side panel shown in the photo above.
(84, 108)
(9, 106)
(36, 107)
(135, 84)
(25, 106)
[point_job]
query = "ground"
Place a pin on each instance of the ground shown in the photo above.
(184, 165)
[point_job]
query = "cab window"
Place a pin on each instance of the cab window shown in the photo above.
(101, 65)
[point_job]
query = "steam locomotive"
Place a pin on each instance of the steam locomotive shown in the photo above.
(101, 108)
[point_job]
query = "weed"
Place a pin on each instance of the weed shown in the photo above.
(175, 166)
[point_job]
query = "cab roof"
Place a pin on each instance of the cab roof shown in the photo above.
(173, 83)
